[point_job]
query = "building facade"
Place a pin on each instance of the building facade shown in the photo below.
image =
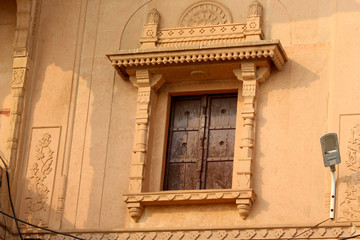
(181, 120)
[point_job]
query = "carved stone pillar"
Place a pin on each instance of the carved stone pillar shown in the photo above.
(20, 75)
(250, 77)
(147, 85)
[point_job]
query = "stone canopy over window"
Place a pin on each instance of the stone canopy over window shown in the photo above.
(206, 47)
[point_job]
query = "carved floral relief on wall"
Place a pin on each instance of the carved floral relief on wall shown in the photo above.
(349, 181)
(40, 175)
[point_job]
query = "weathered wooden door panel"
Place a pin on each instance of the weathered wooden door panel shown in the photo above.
(182, 176)
(218, 175)
(221, 144)
(223, 112)
(201, 142)
(184, 146)
(187, 114)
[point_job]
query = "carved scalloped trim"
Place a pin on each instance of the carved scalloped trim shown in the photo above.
(331, 232)
(189, 197)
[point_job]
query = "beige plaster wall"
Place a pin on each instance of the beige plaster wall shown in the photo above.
(76, 90)
(7, 31)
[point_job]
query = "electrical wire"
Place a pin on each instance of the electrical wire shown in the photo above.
(355, 236)
(10, 199)
(5, 227)
(309, 229)
(42, 228)
(16, 219)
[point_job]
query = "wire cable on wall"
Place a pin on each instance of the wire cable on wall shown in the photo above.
(45, 229)
(309, 229)
(10, 199)
(22, 221)
(1, 177)
(355, 236)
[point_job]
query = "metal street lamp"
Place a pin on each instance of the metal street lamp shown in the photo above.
(331, 157)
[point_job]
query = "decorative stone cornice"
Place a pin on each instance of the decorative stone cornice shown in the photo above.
(326, 231)
(265, 50)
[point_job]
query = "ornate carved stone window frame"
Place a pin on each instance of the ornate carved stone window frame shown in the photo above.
(243, 54)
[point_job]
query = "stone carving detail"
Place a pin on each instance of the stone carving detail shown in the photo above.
(180, 235)
(263, 233)
(249, 90)
(337, 232)
(350, 205)
(207, 234)
(249, 234)
(308, 233)
(279, 233)
(18, 76)
(205, 13)
(38, 191)
(221, 235)
(152, 235)
(353, 162)
(166, 235)
(255, 9)
(193, 235)
(139, 236)
(153, 17)
(123, 236)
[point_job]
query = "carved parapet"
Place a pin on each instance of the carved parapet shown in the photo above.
(203, 23)
(242, 198)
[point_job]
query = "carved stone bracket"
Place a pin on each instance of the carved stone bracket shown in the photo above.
(242, 198)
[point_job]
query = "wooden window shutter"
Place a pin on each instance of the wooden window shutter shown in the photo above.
(201, 142)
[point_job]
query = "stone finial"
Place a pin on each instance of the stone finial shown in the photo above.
(255, 9)
(153, 17)
(150, 33)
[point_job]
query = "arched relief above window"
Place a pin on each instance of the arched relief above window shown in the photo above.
(205, 13)
(207, 54)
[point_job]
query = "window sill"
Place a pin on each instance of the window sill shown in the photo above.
(242, 198)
